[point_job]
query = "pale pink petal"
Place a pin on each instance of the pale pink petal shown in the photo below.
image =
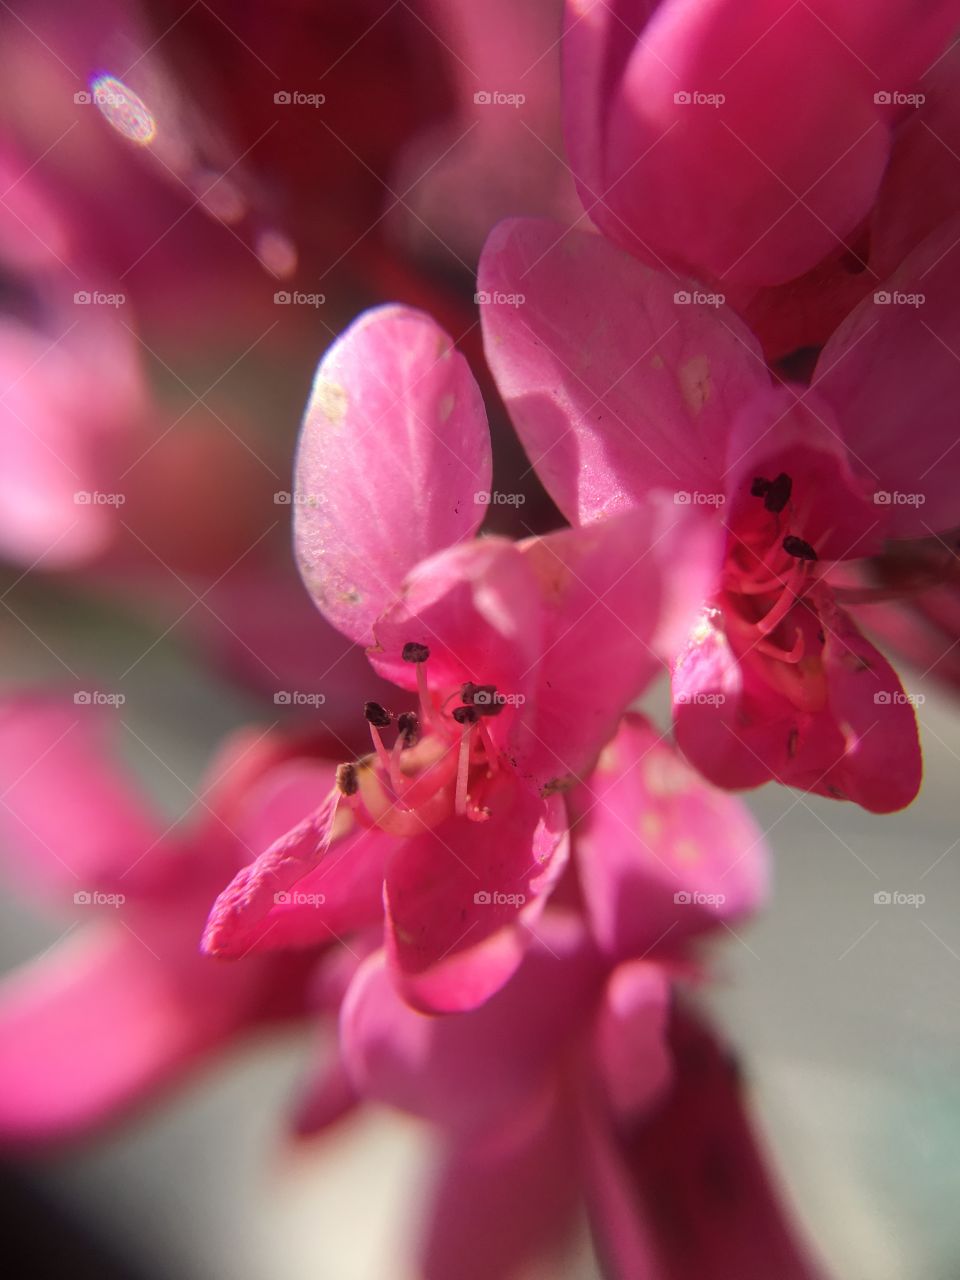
(891, 374)
(618, 596)
(614, 385)
(458, 897)
(71, 819)
(393, 452)
(662, 855)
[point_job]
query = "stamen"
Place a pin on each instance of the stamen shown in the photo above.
(463, 762)
(419, 654)
(465, 715)
(799, 548)
(760, 487)
(777, 494)
(792, 655)
(347, 783)
(408, 724)
(414, 652)
(377, 714)
(489, 750)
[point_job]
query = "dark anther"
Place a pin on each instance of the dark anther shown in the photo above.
(465, 715)
(778, 493)
(408, 723)
(760, 487)
(413, 652)
(377, 714)
(797, 547)
(347, 779)
(467, 692)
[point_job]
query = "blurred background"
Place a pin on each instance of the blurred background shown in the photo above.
(196, 198)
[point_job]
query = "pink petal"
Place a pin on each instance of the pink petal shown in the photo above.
(470, 1071)
(506, 1199)
(261, 906)
(477, 609)
(891, 374)
(853, 737)
(618, 596)
(697, 1162)
(101, 1021)
(72, 820)
(393, 451)
(662, 855)
(630, 1049)
(458, 898)
(614, 387)
(764, 182)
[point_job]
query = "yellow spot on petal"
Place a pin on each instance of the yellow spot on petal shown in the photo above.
(331, 399)
(608, 759)
(695, 384)
(687, 851)
(665, 775)
(656, 362)
(651, 827)
(446, 406)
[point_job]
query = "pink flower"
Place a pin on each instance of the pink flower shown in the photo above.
(743, 142)
(620, 384)
(522, 656)
(123, 1003)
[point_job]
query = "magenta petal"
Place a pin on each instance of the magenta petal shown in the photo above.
(99, 1022)
(506, 1198)
(618, 596)
(457, 897)
(699, 137)
(467, 1072)
(614, 387)
(881, 766)
(478, 610)
(891, 372)
(630, 1049)
(68, 814)
(239, 920)
(662, 855)
(393, 452)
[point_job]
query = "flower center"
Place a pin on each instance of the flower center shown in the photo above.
(440, 763)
